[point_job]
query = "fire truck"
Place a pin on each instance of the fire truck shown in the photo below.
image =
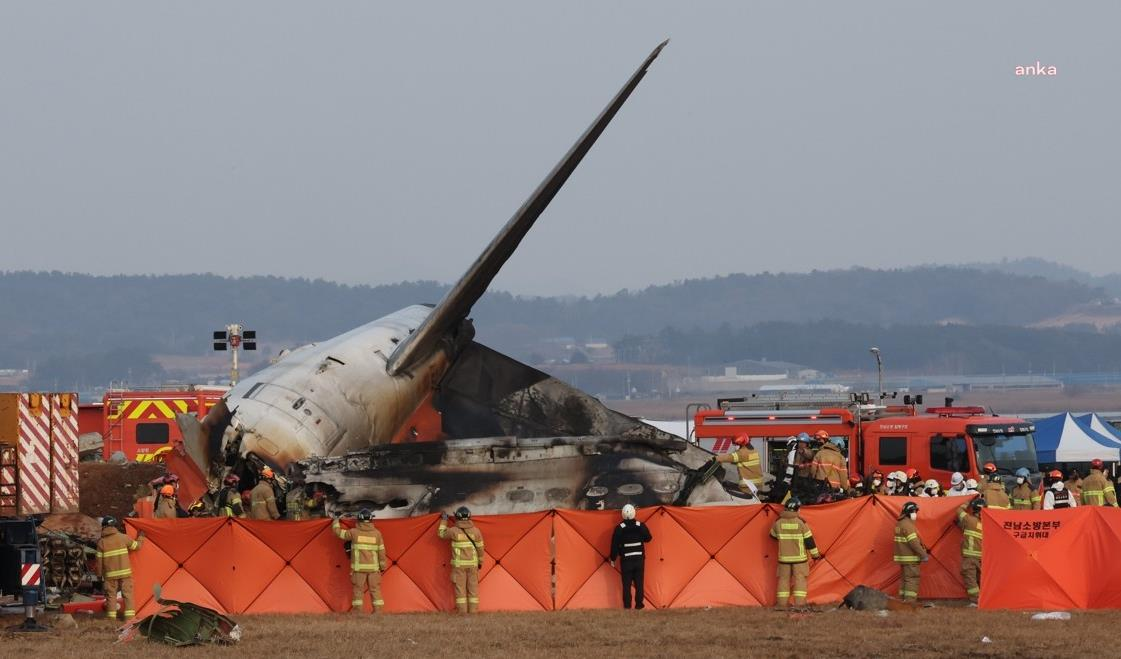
(936, 441)
(141, 423)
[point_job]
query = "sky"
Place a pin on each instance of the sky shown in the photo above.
(375, 142)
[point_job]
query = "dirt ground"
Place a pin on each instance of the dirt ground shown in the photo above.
(108, 489)
(721, 632)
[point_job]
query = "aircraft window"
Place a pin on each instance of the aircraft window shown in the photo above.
(298, 404)
(520, 496)
(254, 389)
(631, 489)
(152, 433)
(394, 340)
(558, 493)
(893, 450)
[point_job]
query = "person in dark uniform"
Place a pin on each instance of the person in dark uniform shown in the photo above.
(628, 544)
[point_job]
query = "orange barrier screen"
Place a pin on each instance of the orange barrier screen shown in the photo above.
(718, 556)
(1051, 559)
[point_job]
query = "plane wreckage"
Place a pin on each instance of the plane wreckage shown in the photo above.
(408, 414)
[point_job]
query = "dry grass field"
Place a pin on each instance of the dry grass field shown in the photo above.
(948, 631)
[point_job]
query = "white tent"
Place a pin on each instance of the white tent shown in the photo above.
(1063, 438)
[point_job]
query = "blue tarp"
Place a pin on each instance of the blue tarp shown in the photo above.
(1063, 438)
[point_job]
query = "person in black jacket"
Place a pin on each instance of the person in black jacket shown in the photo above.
(628, 544)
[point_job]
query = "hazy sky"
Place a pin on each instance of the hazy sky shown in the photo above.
(371, 142)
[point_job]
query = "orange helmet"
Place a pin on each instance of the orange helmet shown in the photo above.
(989, 468)
(740, 440)
(823, 435)
(1096, 463)
(266, 472)
(1055, 473)
(855, 480)
(912, 473)
(167, 490)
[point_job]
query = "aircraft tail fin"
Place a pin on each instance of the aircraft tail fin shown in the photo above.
(458, 302)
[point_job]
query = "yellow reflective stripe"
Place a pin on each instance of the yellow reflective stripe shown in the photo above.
(972, 534)
(906, 538)
(971, 552)
(116, 574)
(134, 546)
(790, 536)
(115, 552)
(907, 559)
(463, 545)
(364, 547)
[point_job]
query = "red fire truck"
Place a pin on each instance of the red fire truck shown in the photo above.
(141, 424)
(937, 441)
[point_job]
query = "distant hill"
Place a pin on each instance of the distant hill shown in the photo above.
(61, 319)
(1037, 267)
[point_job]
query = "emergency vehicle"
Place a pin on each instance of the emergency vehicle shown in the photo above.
(141, 423)
(937, 441)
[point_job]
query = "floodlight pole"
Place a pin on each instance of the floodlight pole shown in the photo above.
(235, 341)
(879, 370)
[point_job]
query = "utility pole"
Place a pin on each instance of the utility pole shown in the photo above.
(235, 338)
(879, 370)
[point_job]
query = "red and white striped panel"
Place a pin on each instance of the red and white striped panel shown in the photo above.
(30, 574)
(64, 453)
(34, 455)
(8, 484)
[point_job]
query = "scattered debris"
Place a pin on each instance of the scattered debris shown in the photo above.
(986, 639)
(64, 621)
(863, 598)
(182, 623)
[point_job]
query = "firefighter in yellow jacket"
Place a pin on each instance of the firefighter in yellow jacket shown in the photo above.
(1024, 496)
(746, 459)
(969, 519)
(795, 548)
(909, 551)
(993, 491)
(829, 463)
(1097, 490)
(367, 559)
(262, 500)
(166, 505)
(114, 567)
(467, 558)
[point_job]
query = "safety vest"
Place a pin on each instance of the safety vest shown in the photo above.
(794, 537)
(829, 465)
(1025, 497)
(970, 534)
(747, 462)
(466, 541)
(1062, 499)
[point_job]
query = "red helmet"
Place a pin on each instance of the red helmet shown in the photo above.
(912, 473)
(855, 480)
(989, 468)
(878, 474)
(822, 435)
(266, 472)
(1055, 473)
(740, 440)
(1096, 463)
(167, 491)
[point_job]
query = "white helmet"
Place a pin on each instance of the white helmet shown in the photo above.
(932, 484)
(957, 478)
(971, 484)
(628, 511)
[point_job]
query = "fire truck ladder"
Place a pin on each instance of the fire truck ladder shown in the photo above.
(790, 400)
(114, 434)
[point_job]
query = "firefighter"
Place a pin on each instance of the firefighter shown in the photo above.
(1074, 483)
(746, 459)
(467, 558)
(994, 492)
(1096, 488)
(856, 487)
(876, 484)
(263, 497)
(228, 501)
(803, 466)
(114, 567)
(367, 559)
(915, 483)
(166, 505)
(166, 479)
(1057, 496)
(971, 487)
(295, 503)
(829, 463)
(198, 509)
(795, 547)
(931, 489)
(628, 544)
(969, 519)
(1024, 496)
(909, 551)
(958, 487)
